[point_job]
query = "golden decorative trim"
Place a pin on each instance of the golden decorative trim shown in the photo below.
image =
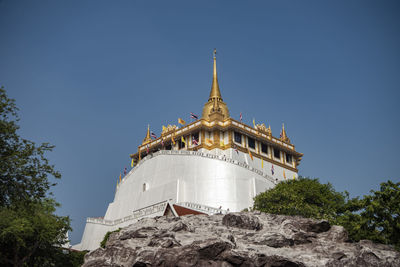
(263, 129)
(168, 129)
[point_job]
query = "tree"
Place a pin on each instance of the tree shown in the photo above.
(30, 233)
(381, 214)
(24, 169)
(30, 230)
(304, 197)
(375, 217)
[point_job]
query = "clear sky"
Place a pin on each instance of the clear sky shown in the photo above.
(88, 76)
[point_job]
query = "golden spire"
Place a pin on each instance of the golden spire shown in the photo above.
(147, 138)
(283, 134)
(215, 93)
(215, 103)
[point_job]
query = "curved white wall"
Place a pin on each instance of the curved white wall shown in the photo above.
(222, 180)
(187, 178)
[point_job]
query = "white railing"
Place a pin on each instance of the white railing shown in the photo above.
(202, 208)
(205, 155)
(136, 215)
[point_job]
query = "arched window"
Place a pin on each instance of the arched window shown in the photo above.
(145, 187)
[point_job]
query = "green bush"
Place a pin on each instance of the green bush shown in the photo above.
(106, 236)
(375, 217)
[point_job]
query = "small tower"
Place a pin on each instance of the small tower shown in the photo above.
(147, 139)
(215, 108)
(284, 137)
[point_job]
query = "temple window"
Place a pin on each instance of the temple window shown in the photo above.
(251, 142)
(289, 158)
(145, 187)
(264, 148)
(277, 153)
(168, 147)
(196, 136)
(181, 144)
(238, 137)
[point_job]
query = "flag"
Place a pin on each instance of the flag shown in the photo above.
(193, 116)
(153, 135)
(132, 163)
(124, 171)
(181, 121)
(172, 139)
(183, 140)
(221, 143)
(209, 142)
(262, 163)
(120, 177)
(254, 123)
(251, 156)
(284, 175)
(194, 141)
(235, 147)
(241, 117)
(272, 169)
(294, 177)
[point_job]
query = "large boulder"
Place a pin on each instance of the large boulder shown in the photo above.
(238, 239)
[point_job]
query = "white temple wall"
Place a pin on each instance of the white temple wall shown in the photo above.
(206, 179)
(93, 235)
(227, 185)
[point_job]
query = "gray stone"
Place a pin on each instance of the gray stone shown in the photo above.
(238, 239)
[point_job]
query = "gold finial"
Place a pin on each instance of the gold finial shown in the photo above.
(215, 93)
(147, 138)
(215, 102)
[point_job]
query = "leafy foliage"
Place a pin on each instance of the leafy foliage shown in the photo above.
(107, 236)
(30, 233)
(375, 217)
(305, 197)
(381, 214)
(24, 169)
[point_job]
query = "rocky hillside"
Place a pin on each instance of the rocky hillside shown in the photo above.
(238, 239)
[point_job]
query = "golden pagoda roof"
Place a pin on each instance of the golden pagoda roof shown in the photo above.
(215, 103)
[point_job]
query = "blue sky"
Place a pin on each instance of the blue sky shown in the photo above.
(88, 76)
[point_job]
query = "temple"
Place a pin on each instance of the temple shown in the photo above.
(214, 164)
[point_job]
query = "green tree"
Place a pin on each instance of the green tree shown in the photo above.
(304, 197)
(24, 169)
(380, 217)
(30, 233)
(375, 217)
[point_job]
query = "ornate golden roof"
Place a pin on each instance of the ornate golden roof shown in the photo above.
(215, 103)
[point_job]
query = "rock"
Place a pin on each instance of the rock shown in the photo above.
(238, 239)
(140, 233)
(274, 240)
(242, 220)
(180, 226)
